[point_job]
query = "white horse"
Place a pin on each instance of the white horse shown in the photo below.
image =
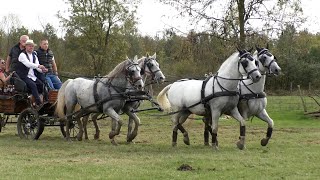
(253, 100)
(213, 97)
(106, 95)
(149, 69)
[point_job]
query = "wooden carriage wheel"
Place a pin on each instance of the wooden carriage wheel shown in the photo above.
(74, 129)
(29, 125)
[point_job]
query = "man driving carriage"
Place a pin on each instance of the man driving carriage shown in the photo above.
(31, 72)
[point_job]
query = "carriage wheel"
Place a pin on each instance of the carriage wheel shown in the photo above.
(73, 129)
(29, 125)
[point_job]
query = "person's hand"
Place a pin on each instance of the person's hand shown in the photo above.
(44, 70)
(11, 74)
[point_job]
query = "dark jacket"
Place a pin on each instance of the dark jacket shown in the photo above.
(45, 58)
(14, 55)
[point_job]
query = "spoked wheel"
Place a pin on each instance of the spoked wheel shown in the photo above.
(73, 129)
(29, 125)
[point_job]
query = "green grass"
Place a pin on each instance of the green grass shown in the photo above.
(292, 153)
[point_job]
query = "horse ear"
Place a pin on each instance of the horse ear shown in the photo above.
(135, 59)
(267, 45)
(240, 52)
(127, 58)
(250, 50)
(154, 55)
(258, 48)
(147, 55)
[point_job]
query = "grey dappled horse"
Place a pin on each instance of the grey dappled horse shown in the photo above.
(149, 69)
(253, 100)
(110, 92)
(217, 96)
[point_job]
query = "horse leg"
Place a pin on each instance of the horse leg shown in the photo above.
(134, 133)
(130, 125)
(80, 133)
(116, 124)
(207, 130)
(263, 115)
(85, 122)
(182, 118)
(94, 120)
(235, 113)
(175, 120)
(214, 127)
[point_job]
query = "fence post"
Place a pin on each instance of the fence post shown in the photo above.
(303, 103)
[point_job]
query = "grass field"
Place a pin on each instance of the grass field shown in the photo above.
(292, 153)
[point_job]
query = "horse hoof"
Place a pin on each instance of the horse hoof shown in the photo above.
(206, 143)
(264, 141)
(215, 147)
(112, 134)
(174, 144)
(96, 136)
(113, 142)
(240, 145)
(186, 139)
(79, 138)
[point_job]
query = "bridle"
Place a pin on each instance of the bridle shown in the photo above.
(263, 60)
(246, 55)
(147, 63)
(130, 73)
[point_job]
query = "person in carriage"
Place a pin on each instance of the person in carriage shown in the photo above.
(3, 78)
(15, 51)
(31, 72)
(46, 58)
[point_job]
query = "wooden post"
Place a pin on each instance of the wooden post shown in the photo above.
(290, 87)
(303, 103)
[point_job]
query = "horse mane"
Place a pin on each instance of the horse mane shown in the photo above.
(120, 68)
(227, 62)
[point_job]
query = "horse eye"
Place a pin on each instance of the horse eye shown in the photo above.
(257, 63)
(244, 64)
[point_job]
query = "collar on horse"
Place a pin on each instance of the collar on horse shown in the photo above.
(251, 95)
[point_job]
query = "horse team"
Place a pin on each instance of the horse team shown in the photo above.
(237, 89)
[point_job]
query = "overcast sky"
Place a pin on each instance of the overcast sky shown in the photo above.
(153, 16)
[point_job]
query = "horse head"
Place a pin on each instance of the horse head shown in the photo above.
(133, 73)
(267, 61)
(152, 67)
(248, 66)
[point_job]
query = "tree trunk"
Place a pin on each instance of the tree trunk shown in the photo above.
(241, 11)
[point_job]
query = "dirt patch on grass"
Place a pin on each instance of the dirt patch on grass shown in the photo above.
(185, 167)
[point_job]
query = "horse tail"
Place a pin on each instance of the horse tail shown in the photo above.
(163, 100)
(60, 103)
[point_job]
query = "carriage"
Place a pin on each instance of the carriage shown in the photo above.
(16, 101)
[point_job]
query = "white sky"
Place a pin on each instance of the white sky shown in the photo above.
(153, 16)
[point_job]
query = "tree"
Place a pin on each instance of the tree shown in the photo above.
(236, 19)
(94, 23)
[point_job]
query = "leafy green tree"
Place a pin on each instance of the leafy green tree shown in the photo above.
(94, 23)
